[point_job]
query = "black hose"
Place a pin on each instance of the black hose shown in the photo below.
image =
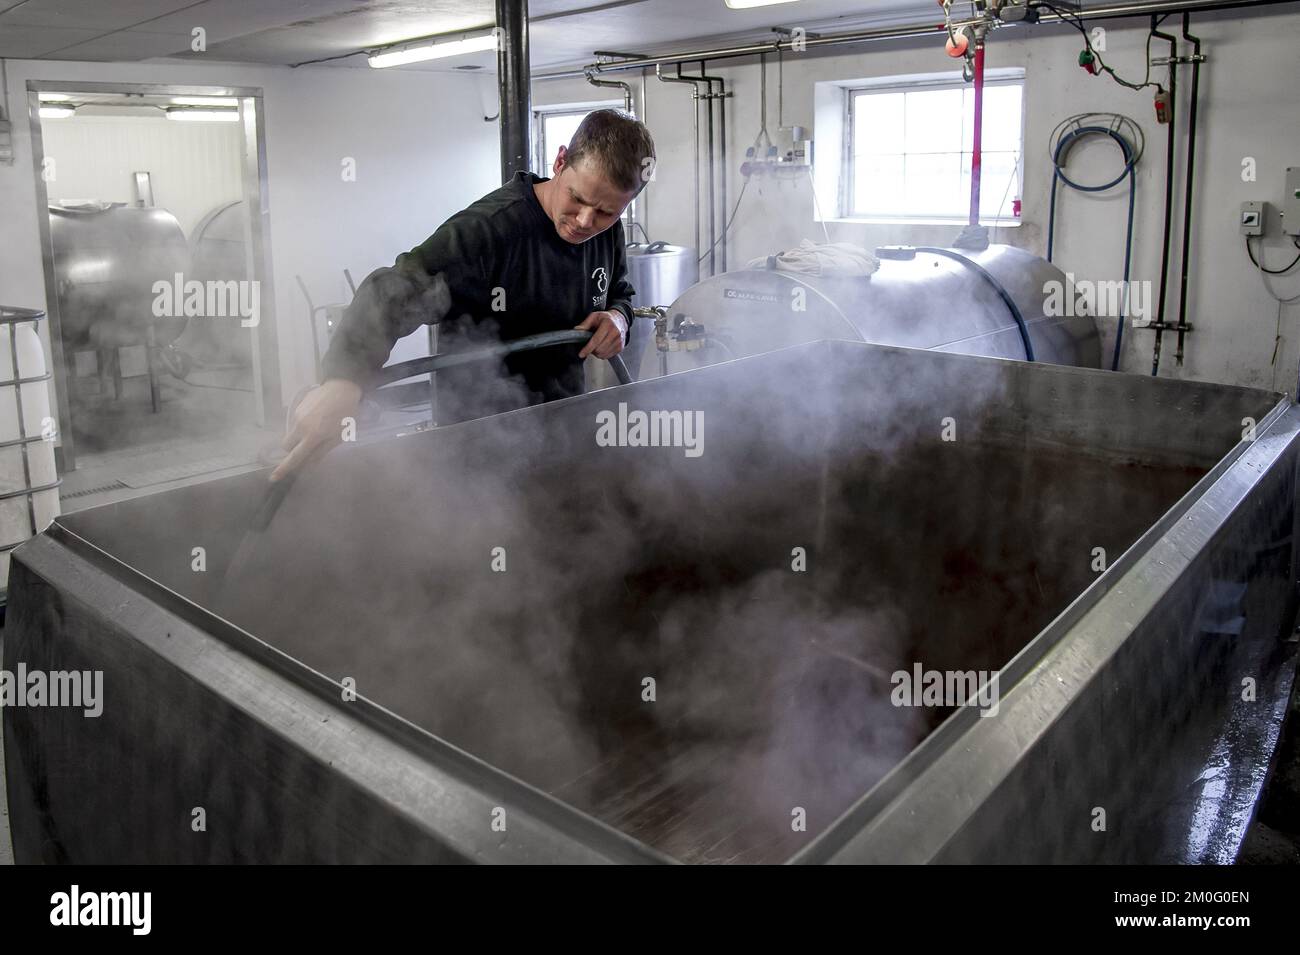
(420, 366)
(997, 287)
(1267, 271)
(276, 492)
(1187, 201)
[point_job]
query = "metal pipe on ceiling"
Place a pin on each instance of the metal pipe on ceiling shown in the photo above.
(1137, 9)
(514, 86)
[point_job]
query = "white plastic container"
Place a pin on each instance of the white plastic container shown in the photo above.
(29, 483)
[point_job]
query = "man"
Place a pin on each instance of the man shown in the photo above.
(535, 255)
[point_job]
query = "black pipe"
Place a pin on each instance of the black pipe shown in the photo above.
(1169, 192)
(713, 204)
(1187, 202)
(513, 86)
(721, 97)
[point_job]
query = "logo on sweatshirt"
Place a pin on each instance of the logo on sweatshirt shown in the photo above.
(601, 278)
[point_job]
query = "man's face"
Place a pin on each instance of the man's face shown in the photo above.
(585, 202)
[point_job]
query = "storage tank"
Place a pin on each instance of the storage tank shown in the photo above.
(945, 300)
(219, 252)
(659, 272)
(107, 257)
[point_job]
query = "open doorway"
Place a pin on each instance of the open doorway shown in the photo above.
(159, 292)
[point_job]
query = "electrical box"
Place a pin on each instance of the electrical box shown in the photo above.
(793, 147)
(1252, 218)
(1291, 202)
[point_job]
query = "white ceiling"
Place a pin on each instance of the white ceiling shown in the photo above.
(284, 32)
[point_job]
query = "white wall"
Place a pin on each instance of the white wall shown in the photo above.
(422, 152)
(1248, 108)
(193, 167)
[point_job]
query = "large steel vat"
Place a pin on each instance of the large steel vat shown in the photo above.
(506, 641)
(918, 299)
(107, 257)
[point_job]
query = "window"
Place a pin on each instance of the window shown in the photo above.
(908, 151)
(553, 131)
(553, 127)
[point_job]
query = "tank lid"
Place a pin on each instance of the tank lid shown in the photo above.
(10, 314)
(656, 248)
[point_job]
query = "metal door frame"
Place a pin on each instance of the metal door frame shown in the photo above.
(265, 356)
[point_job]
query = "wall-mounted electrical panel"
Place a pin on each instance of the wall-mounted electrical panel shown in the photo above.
(1291, 202)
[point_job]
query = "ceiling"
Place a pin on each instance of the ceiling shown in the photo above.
(289, 32)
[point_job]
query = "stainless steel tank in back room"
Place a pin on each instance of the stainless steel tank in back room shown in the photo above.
(659, 272)
(946, 300)
(107, 257)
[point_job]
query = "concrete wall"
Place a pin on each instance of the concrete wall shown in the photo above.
(1248, 109)
(422, 152)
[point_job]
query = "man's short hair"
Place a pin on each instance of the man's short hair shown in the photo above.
(619, 146)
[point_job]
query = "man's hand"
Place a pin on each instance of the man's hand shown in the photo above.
(608, 330)
(318, 424)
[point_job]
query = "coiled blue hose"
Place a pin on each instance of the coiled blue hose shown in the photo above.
(1063, 145)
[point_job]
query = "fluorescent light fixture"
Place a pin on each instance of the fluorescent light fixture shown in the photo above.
(57, 112)
(746, 4)
(214, 101)
(55, 97)
(433, 51)
(204, 115)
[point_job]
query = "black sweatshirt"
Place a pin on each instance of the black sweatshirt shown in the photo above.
(508, 274)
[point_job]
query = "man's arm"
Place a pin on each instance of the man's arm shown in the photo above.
(449, 272)
(611, 329)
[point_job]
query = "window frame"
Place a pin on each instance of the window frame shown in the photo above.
(903, 84)
(541, 163)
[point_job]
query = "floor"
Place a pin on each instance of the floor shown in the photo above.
(204, 428)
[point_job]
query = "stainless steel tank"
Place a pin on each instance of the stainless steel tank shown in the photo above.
(922, 300)
(659, 272)
(219, 252)
(519, 694)
(107, 257)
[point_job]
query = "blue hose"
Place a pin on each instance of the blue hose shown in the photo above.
(1130, 160)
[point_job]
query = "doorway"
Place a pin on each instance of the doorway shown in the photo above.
(158, 285)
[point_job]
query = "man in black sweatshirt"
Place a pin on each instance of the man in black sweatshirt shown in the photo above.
(535, 255)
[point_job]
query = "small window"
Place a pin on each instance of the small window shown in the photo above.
(908, 152)
(555, 126)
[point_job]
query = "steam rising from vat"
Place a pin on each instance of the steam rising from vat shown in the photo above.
(510, 585)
